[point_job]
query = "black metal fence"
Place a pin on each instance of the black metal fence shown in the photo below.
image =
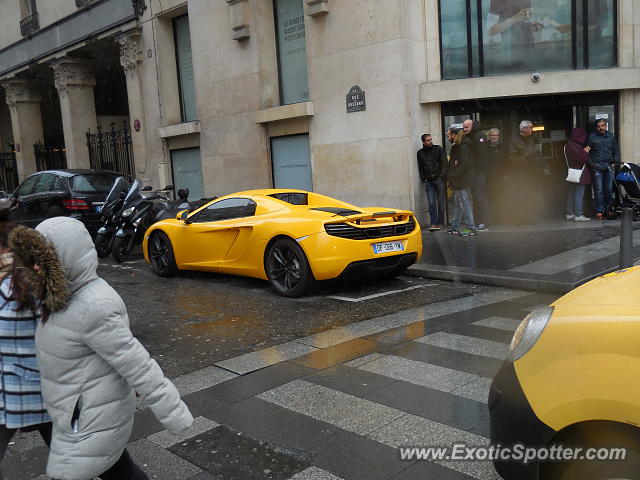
(8, 171)
(49, 157)
(112, 150)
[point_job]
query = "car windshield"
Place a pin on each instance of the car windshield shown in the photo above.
(92, 182)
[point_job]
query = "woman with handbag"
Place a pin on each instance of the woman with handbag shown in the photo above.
(578, 175)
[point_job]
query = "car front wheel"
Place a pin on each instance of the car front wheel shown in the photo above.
(161, 255)
(287, 268)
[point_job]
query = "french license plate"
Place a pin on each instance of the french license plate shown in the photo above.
(386, 247)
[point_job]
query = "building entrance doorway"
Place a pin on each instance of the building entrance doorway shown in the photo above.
(553, 118)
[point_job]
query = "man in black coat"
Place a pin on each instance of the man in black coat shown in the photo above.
(432, 166)
(477, 146)
(526, 166)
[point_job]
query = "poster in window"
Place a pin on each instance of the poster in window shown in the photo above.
(292, 51)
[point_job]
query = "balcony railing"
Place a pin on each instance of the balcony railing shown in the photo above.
(29, 24)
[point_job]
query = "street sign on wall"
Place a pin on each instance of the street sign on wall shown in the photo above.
(356, 101)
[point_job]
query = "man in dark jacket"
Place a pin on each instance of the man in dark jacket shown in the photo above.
(460, 181)
(432, 166)
(477, 143)
(497, 173)
(604, 153)
(526, 168)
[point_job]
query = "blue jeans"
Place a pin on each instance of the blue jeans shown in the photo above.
(462, 212)
(574, 199)
(603, 189)
(435, 197)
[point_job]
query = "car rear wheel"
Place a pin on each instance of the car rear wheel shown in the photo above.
(102, 247)
(287, 268)
(161, 255)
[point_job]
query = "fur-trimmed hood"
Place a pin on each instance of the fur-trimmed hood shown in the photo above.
(50, 284)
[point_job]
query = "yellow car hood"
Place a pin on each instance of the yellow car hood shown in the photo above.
(609, 294)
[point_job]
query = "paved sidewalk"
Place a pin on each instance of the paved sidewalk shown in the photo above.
(337, 404)
(551, 257)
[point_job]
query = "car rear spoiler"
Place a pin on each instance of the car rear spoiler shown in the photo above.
(395, 215)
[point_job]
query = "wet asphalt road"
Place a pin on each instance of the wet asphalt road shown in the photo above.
(196, 319)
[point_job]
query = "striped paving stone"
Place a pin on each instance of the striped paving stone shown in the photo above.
(418, 373)
(477, 390)
(345, 411)
(315, 473)
(501, 323)
(477, 346)
(412, 431)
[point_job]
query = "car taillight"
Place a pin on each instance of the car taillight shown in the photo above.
(75, 204)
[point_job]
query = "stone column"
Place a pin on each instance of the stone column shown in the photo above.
(74, 80)
(130, 58)
(24, 100)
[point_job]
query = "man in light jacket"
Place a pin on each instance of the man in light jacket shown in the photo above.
(91, 366)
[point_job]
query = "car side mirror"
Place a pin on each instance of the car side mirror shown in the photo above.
(184, 216)
(146, 188)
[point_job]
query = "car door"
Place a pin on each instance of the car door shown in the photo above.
(206, 240)
(24, 212)
(47, 197)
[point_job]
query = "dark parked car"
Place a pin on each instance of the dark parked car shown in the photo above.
(72, 193)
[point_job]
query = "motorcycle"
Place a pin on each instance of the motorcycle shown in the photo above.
(138, 213)
(110, 217)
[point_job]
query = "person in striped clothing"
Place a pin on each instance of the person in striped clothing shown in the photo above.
(21, 405)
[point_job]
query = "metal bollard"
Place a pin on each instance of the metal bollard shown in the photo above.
(626, 239)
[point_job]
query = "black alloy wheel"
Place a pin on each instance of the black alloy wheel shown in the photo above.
(161, 255)
(287, 268)
(120, 250)
(102, 247)
(635, 212)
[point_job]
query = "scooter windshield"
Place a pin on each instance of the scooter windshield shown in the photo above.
(134, 192)
(119, 186)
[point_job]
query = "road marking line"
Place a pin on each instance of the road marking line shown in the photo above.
(381, 294)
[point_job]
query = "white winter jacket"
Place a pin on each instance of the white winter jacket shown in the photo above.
(90, 362)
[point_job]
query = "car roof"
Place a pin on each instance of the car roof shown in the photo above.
(70, 172)
(269, 191)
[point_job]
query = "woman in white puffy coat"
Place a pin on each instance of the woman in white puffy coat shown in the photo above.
(90, 363)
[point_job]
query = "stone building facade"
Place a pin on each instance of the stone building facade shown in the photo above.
(227, 95)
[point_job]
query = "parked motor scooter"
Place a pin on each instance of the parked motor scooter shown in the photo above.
(139, 212)
(111, 217)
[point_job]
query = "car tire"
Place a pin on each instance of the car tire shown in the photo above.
(635, 212)
(603, 434)
(102, 248)
(161, 256)
(120, 250)
(287, 268)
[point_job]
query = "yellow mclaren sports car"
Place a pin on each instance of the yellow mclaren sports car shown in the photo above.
(570, 386)
(289, 237)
